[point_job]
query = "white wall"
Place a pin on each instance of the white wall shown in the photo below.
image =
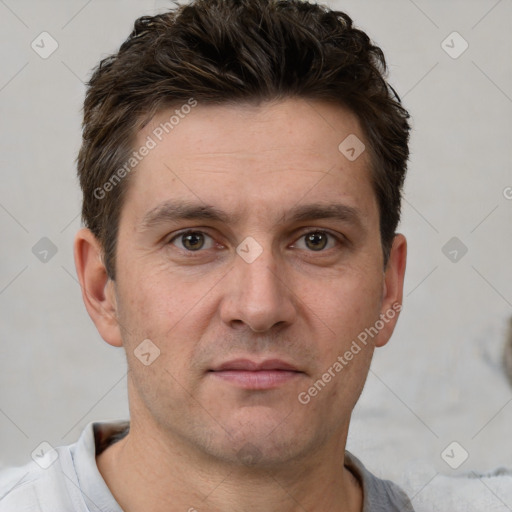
(439, 379)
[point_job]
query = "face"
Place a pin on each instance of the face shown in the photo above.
(249, 254)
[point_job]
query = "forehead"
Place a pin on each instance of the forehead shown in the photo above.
(255, 159)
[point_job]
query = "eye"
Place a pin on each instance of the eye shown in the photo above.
(192, 241)
(318, 241)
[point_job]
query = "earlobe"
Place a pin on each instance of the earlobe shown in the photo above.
(392, 289)
(97, 289)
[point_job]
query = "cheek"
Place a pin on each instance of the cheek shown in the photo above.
(155, 295)
(163, 307)
(352, 305)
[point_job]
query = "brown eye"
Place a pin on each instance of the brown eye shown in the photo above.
(317, 240)
(192, 241)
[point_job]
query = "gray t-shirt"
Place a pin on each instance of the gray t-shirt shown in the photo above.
(66, 479)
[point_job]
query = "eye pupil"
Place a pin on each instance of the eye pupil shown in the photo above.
(193, 241)
(318, 239)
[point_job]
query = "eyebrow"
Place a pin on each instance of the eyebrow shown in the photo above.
(172, 211)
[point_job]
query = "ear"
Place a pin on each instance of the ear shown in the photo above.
(392, 289)
(98, 290)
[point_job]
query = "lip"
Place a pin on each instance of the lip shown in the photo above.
(252, 366)
(248, 374)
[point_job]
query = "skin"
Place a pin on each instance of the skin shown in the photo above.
(300, 301)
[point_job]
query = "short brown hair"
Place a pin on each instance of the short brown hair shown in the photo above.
(233, 51)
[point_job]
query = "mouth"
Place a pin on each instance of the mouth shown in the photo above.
(248, 374)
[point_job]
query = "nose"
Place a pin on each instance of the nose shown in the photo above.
(258, 294)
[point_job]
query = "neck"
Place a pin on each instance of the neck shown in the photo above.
(144, 472)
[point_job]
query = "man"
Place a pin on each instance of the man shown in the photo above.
(241, 168)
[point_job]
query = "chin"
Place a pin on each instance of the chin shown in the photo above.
(264, 445)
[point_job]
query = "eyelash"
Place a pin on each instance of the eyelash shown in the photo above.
(338, 238)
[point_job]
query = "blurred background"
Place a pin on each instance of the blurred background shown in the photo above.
(437, 400)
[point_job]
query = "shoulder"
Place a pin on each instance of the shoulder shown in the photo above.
(54, 480)
(39, 488)
(379, 495)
